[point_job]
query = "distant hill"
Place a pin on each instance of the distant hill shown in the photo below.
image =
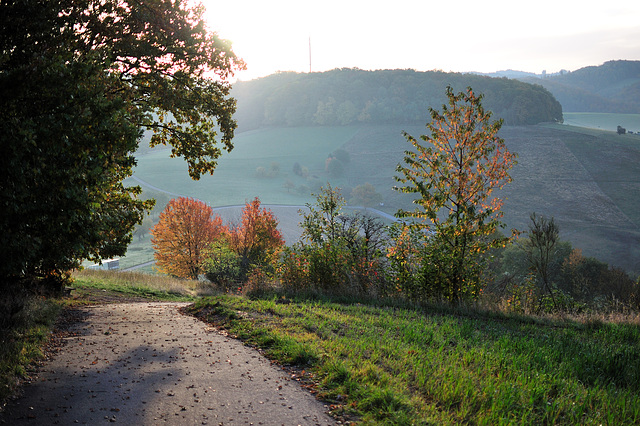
(348, 96)
(612, 87)
(508, 74)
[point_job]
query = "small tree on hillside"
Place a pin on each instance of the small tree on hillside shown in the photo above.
(321, 222)
(543, 236)
(454, 173)
(365, 195)
(185, 230)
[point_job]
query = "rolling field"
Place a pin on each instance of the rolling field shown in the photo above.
(236, 180)
(603, 121)
(588, 180)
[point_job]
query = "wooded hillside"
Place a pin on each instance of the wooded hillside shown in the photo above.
(346, 96)
(611, 87)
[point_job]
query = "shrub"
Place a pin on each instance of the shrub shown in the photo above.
(222, 265)
(337, 253)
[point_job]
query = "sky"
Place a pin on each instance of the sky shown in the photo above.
(447, 35)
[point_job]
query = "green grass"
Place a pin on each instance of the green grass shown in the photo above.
(235, 180)
(21, 345)
(404, 366)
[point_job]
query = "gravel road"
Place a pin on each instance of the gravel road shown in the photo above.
(147, 364)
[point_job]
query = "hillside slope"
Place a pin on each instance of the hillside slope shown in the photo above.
(583, 178)
(353, 96)
(611, 87)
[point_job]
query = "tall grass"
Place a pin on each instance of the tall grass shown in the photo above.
(143, 285)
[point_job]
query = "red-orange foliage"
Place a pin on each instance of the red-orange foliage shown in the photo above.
(256, 240)
(186, 228)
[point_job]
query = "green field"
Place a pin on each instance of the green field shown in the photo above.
(603, 121)
(401, 366)
(587, 179)
(236, 181)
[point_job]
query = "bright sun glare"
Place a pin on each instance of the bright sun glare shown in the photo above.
(453, 36)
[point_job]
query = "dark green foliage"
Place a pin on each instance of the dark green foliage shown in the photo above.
(341, 155)
(222, 265)
(72, 110)
(346, 96)
(337, 254)
(335, 167)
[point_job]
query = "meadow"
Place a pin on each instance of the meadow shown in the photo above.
(432, 365)
(392, 362)
(587, 179)
(603, 121)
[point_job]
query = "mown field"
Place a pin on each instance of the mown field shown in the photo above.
(587, 179)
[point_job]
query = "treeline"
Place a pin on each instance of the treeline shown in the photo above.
(611, 87)
(347, 96)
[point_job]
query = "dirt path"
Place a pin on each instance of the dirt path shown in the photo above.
(147, 364)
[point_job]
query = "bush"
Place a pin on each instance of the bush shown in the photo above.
(338, 254)
(222, 265)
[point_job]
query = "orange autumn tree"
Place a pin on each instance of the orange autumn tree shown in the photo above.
(180, 239)
(256, 239)
(454, 171)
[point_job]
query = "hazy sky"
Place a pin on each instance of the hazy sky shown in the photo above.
(450, 35)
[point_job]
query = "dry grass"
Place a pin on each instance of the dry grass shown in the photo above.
(145, 285)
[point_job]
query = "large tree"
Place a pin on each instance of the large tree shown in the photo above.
(186, 229)
(80, 80)
(454, 172)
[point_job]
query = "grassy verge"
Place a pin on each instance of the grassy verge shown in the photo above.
(405, 366)
(21, 346)
(116, 286)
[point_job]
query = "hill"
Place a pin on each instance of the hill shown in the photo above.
(353, 96)
(581, 177)
(611, 87)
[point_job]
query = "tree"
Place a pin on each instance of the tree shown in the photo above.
(181, 237)
(365, 195)
(222, 265)
(80, 79)
(321, 222)
(335, 167)
(543, 236)
(289, 185)
(621, 130)
(142, 229)
(336, 252)
(454, 173)
(257, 239)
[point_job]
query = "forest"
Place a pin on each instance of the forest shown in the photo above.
(347, 96)
(611, 87)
